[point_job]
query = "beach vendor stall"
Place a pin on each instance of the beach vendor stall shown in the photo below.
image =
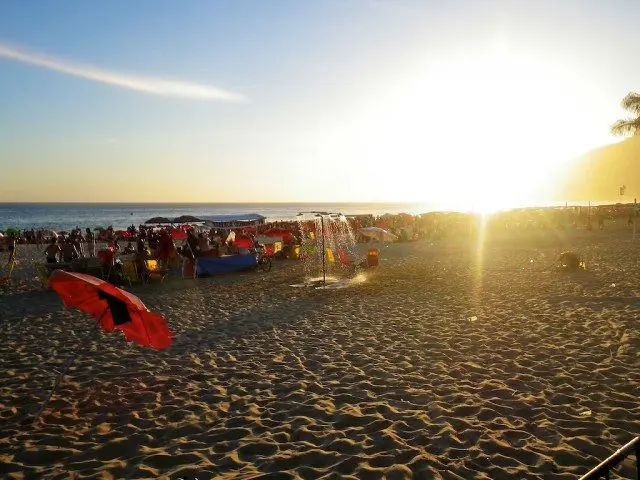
(234, 221)
(240, 258)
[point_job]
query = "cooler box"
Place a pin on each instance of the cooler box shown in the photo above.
(372, 257)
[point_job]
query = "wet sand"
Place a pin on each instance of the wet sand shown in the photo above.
(444, 363)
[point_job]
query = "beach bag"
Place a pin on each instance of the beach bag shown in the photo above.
(571, 261)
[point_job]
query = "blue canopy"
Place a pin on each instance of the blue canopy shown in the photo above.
(234, 217)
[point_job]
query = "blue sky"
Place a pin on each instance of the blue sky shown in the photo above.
(352, 100)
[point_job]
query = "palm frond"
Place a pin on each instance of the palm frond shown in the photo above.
(625, 127)
(632, 103)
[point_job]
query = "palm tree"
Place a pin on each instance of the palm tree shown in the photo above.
(631, 125)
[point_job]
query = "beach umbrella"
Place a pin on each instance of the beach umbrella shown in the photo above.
(186, 219)
(158, 220)
(379, 234)
(112, 307)
(178, 234)
(275, 232)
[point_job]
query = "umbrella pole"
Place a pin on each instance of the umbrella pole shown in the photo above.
(61, 375)
(324, 268)
(59, 378)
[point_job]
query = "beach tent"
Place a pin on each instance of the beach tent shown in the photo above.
(233, 221)
(186, 219)
(285, 235)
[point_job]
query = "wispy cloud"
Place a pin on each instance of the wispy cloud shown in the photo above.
(150, 85)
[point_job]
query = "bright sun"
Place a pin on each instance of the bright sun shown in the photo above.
(483, 131)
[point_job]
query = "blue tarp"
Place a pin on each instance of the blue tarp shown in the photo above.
(229, 263)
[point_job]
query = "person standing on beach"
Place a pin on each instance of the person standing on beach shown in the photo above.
(11, 247)
(91, 242)
(69, 251)
(76, 239)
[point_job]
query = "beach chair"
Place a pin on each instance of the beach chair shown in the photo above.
(152, 268)
(346, 261)
(308, 250)
(344, 258)
(4, 279)
(42, 274)
(130, 272)
(330, 257)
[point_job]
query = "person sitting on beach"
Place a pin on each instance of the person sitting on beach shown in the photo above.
(142, 254)
(11, 248)
(52, 251)
(140, 245)
(91, 242)
(152, 240)
(129, 249)
(166, 247)
(76, 239)
(192, 244)
(203, 243)
(231, 248)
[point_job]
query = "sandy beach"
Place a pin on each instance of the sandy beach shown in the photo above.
(443, 363)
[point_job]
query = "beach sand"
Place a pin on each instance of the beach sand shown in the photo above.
(442, 364)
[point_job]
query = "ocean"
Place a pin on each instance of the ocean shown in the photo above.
(65, 216)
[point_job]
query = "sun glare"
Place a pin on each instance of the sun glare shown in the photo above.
(468, 130)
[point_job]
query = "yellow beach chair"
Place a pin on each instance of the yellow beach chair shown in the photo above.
(330, 257)
(154, 269)
(8, 271)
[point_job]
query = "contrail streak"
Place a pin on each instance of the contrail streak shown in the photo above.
(150, 85)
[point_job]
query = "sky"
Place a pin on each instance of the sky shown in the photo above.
(283, 101)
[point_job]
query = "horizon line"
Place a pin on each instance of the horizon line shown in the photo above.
(63, 202)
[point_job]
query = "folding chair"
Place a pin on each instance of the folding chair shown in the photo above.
(330, 257)
(153, 268)
(130, 272)
(346, 261)
(8, 269)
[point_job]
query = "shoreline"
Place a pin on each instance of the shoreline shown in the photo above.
(292, 217)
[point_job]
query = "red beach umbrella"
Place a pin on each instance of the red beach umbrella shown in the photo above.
(178, 234)
(112, 307)
(286, 235)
